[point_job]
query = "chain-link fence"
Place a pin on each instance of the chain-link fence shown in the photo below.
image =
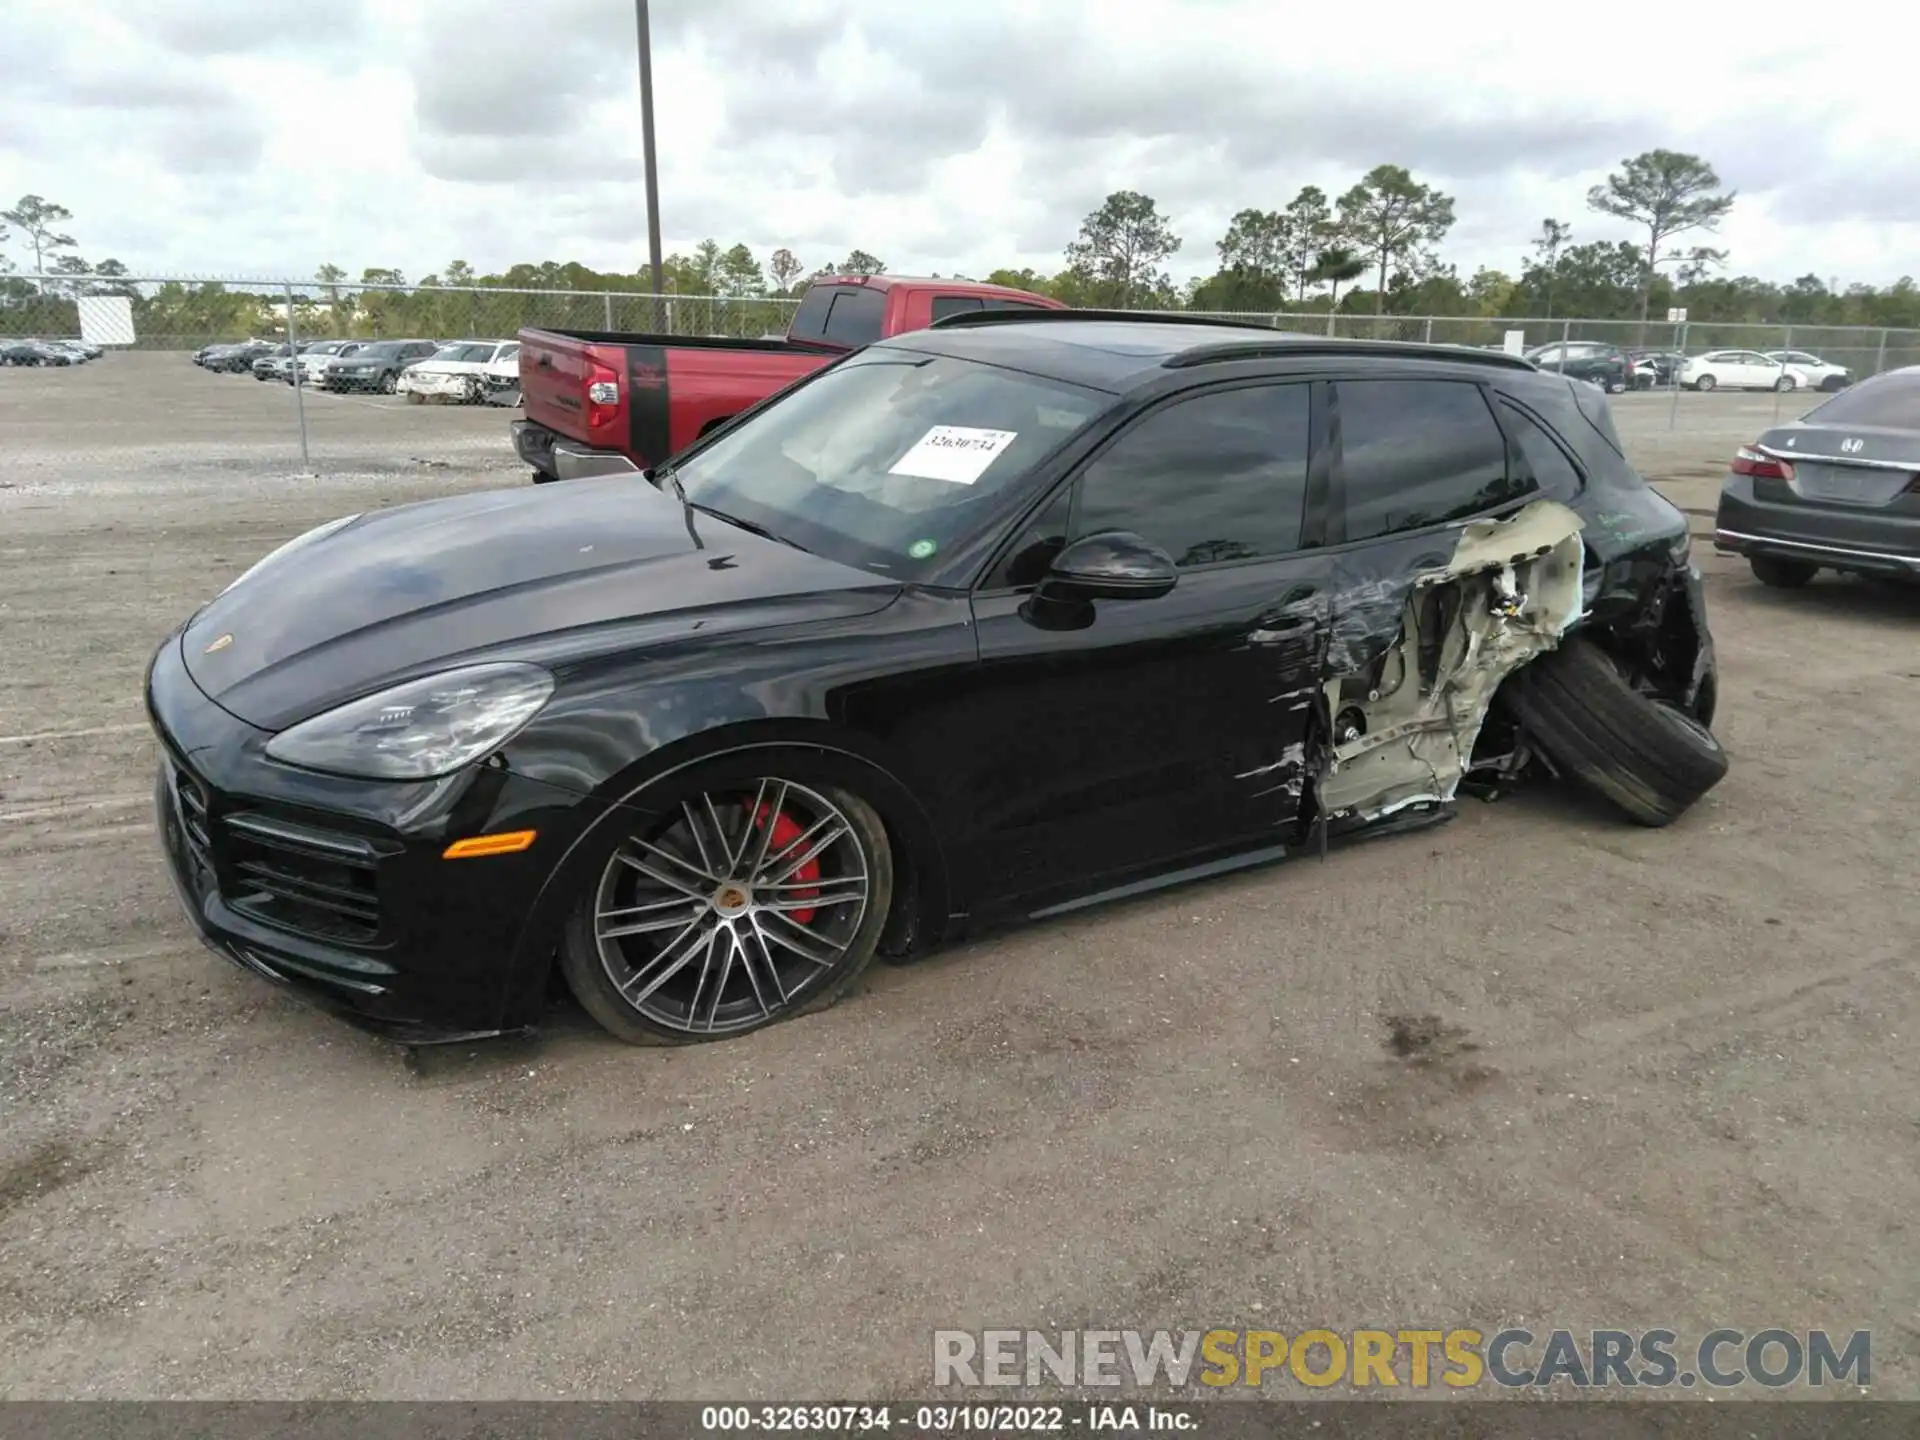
(156, 398)
(1862, 351)
(186, 314)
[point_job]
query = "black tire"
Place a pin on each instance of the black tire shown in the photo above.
(388, 382)
(1649, 759)
(581, 959)
(1784, 384)
(1781, 573)
(1704, 383)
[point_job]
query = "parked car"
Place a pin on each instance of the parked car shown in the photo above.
(457, 371)
(1837, 489)
(263, 366)
(77, 353)
(1810, 372)
(987, 621)
(1607, 366)
(1735, 370)
(315, 358)
(375, 365)
(85, 349)
(238, 359)
(1655, 369)
(40, 352)
(600, 404)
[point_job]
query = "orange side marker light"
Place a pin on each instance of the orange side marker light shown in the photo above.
(507, 842)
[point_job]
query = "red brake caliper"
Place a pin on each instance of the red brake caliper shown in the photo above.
(786, 830)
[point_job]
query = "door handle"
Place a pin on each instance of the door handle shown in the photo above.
(1279, 630)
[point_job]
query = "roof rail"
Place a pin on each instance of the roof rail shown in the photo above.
(1003, 316)
(1292, 345)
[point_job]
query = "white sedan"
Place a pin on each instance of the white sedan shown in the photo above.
(1735, 370)
(1811, 372)
(457, 371)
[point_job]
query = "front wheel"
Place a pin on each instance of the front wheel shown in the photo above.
(1784, 384)
(737, 905)
(1704, 383)
(389, 382)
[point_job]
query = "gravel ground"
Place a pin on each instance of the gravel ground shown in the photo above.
(1655, 1078)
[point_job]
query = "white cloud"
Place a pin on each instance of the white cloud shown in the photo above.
(226, 137)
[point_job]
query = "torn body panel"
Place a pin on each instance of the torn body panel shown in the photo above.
(1407, 695)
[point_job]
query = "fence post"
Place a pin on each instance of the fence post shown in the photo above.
(1880, 360)
(1429, 339)
(299, 390)
(1673, 409)
(1331, 312)
(609, 299)
(1786, 349)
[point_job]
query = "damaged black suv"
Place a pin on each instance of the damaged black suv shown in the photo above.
(987, 621)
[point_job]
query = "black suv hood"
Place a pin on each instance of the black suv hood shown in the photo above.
(413, 589)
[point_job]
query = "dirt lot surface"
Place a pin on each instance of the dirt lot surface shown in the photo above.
(1650, 1078)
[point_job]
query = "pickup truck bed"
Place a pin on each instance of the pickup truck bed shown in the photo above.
(603, 402)
(670, 390)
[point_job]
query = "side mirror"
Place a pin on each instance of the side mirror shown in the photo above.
(1113, 565)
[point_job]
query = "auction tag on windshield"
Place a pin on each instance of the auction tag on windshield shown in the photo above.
(953, 452)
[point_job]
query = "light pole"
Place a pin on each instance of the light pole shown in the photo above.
(646, 142)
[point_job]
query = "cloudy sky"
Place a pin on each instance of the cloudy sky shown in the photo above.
(264, 137)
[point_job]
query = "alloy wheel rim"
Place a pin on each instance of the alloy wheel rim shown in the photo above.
(733, 908)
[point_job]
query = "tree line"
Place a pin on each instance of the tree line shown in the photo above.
(1372, 249)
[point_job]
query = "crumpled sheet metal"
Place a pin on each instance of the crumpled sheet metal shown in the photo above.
(1418, 746)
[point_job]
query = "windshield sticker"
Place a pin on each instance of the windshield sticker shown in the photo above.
(921, 549)
(958, 453)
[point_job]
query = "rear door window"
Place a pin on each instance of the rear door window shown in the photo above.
(945, 305)
(1416, 453)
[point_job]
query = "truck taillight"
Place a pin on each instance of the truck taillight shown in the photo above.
(603, 394)
(1761, 466)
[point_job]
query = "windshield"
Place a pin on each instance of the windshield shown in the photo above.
(1887, 400)
(890, 459)
(380, 350)
(463, 351)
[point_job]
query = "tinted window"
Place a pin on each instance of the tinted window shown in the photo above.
(1222, 476)
(1892, 400)
(856, 316)
(1543, 464)
(507, 352)
(380, 350)
(1417, 453)
(810, 317)
(945, 305)
(997, 304)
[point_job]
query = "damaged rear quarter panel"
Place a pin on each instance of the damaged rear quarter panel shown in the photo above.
(1420, 635)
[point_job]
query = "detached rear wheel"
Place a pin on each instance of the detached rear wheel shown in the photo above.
(1650, 759)
(733, 907)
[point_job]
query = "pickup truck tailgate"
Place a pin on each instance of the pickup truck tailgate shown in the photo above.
(554, 371)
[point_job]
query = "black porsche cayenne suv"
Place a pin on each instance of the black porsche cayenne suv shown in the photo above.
(984, 622)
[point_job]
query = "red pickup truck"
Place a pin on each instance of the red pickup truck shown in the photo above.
(599, 403)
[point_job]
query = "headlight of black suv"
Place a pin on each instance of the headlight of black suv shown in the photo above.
(419, 730)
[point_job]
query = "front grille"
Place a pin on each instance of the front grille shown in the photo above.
(295, 878)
